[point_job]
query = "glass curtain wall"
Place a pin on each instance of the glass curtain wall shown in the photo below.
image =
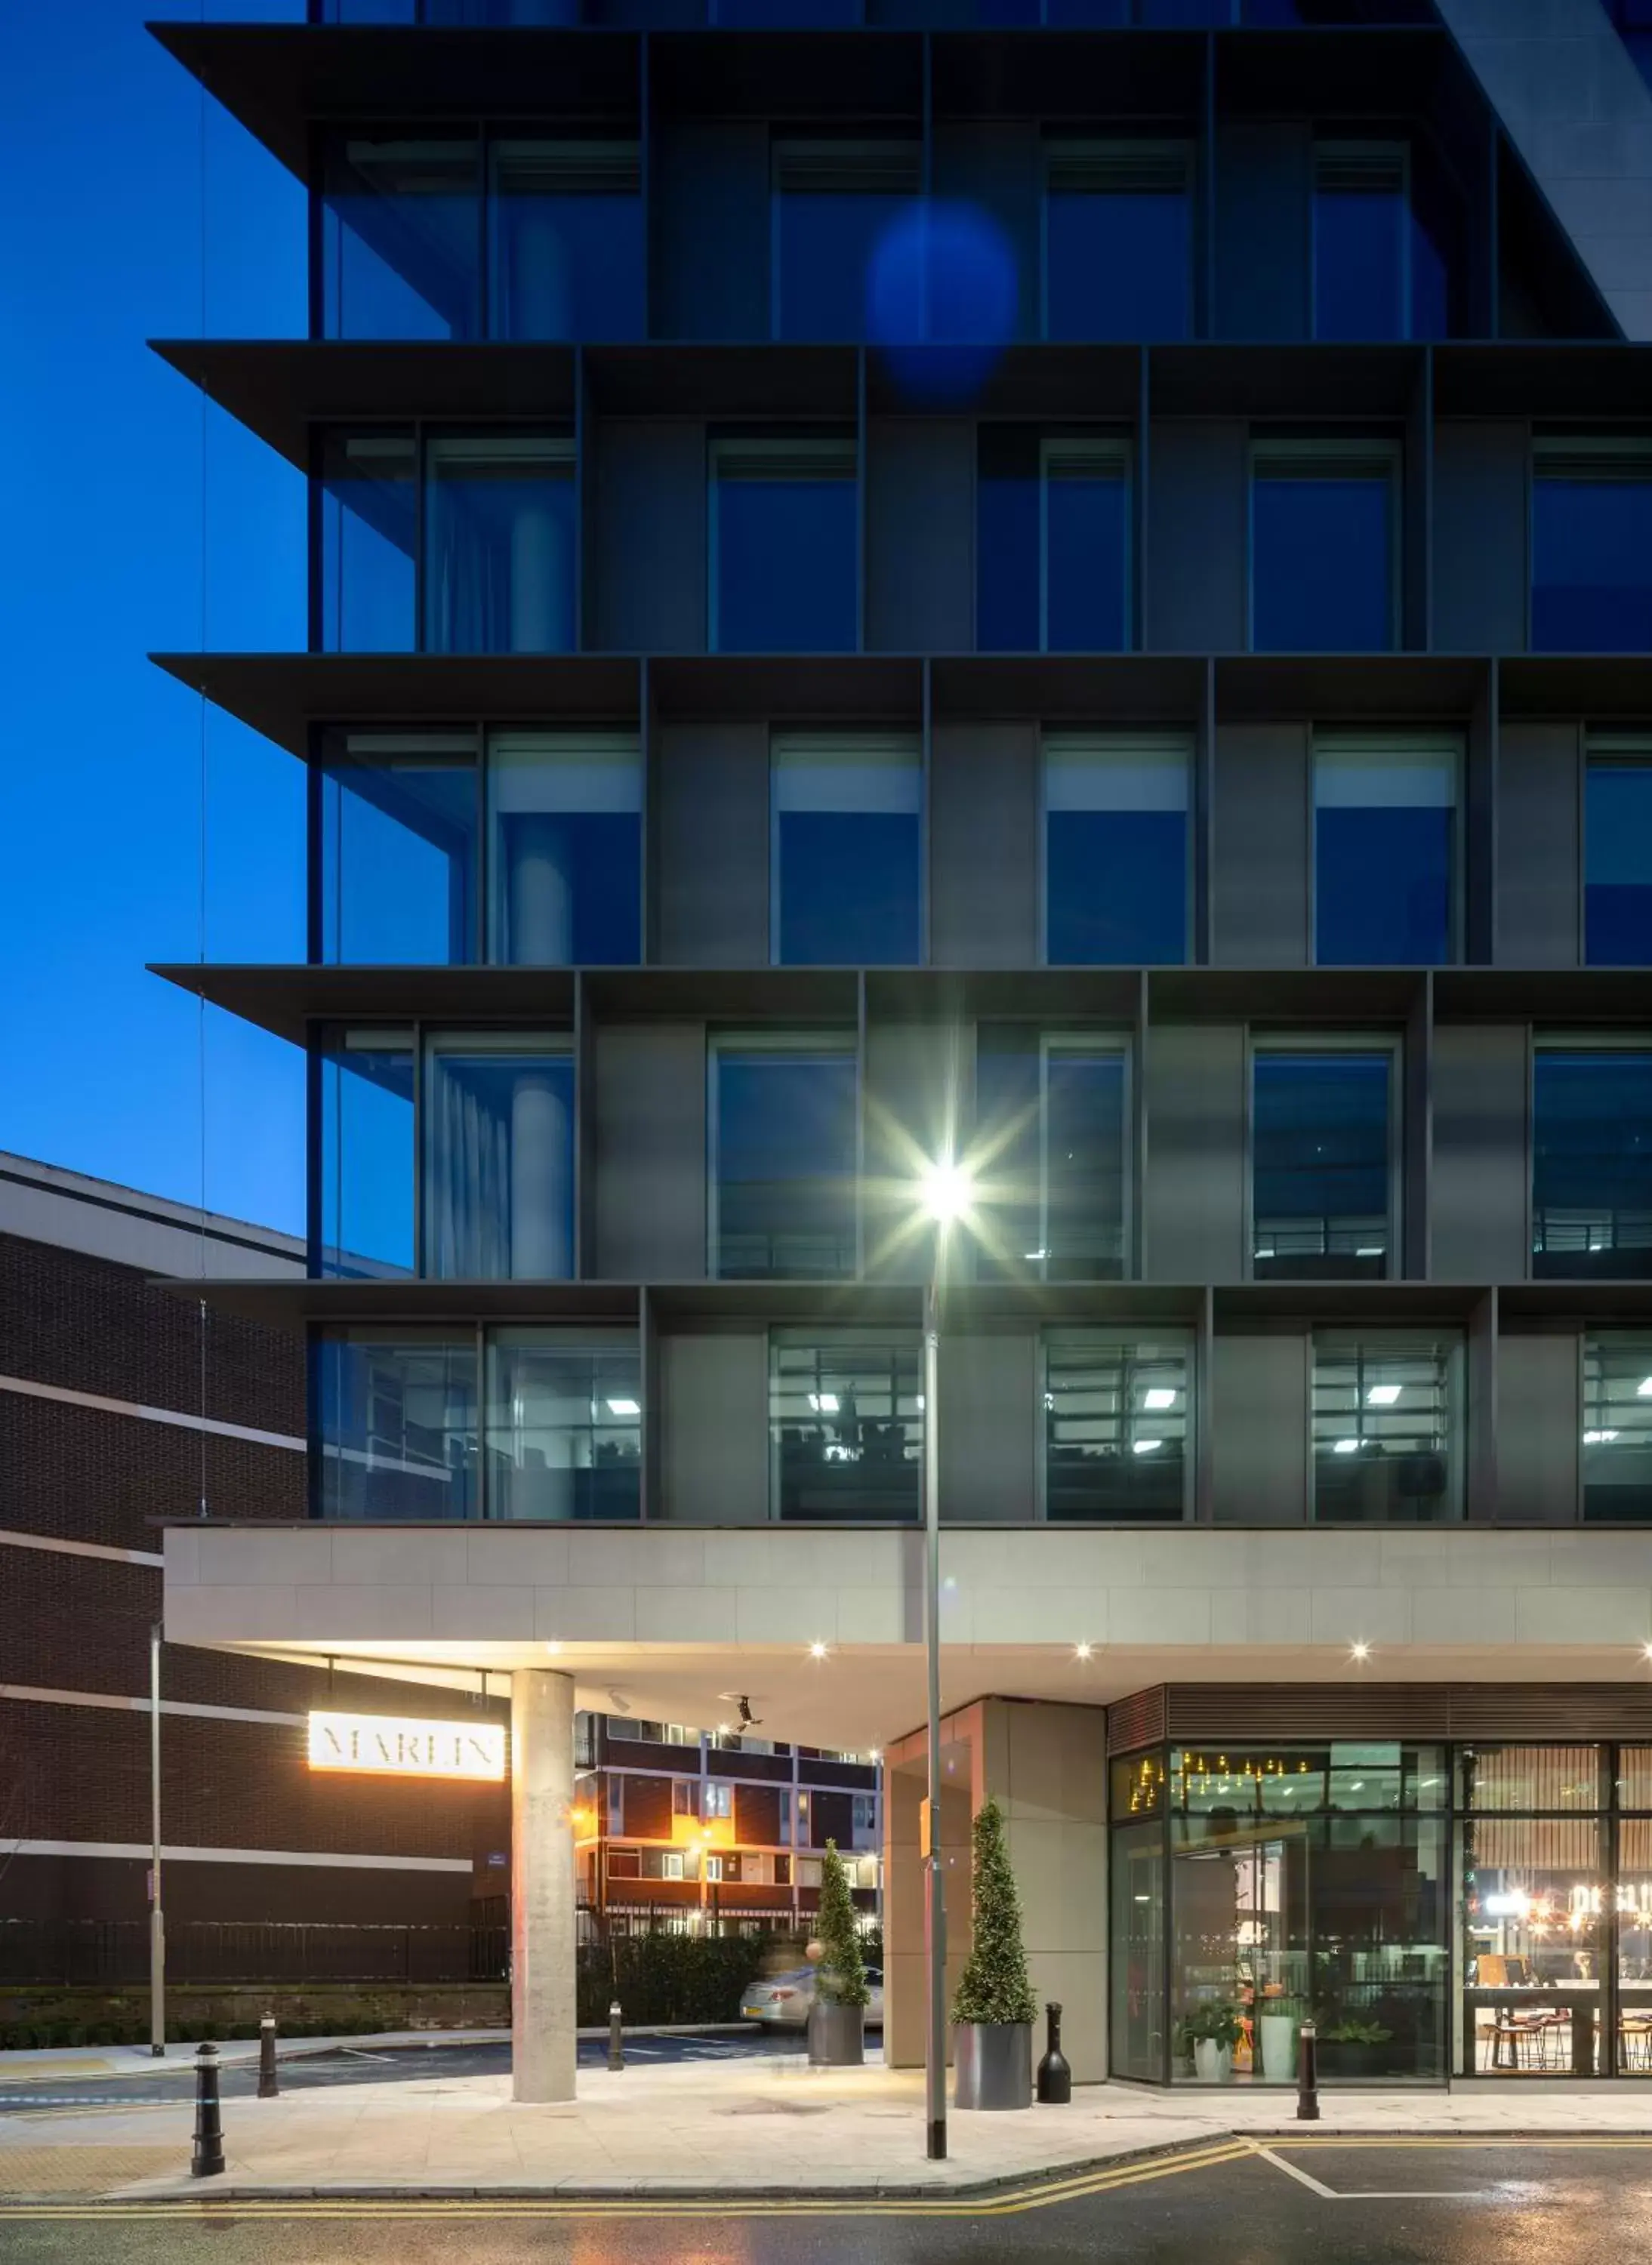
(1115, 848)
(362, 1226)
(785, 1147)
(500, 572)
(1324, 1194)
(1052, 1114)
(564, 848)
(1618, 851)
(1385, 851)
(1117, 238)
(399, 839)
(565, 231)
(1386, 1426)
(845, 1424)
(367, 497)
(834, 199)
(1617, 1444)
(399, 245)
(425, 1424)
(1591, 1161)
(847, 851)
(1324, 548)
(1053, 546)
(1592, 544)
(1387, 235)
(785, 542)
(1117, 1428)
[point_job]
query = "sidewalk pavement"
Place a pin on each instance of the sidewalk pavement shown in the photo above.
(745, 2127)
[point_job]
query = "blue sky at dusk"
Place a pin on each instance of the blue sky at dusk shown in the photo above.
(125, 508)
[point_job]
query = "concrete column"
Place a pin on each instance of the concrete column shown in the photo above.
(543, 2016)
(539, 570)
(542, 1149)
(905, 1965)
(539, 894)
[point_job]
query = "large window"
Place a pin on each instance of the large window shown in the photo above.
(499, 570)
(399, 253)
(396, 1425)
(1052, 542)
(1591, 1159)
(565, 847)
(784, 543)
(1592, 545)
(1324, 1181)
(1052, 1111)
(1385, 239)
(564, 1426)
(785, 1144)
(1618, 852)
(1116, 848)
(1116, 1421)
(845, 850)
(397, 881)
(1324, 549)
(484, 563)
(834, 198)
(396, 1420)
(473, 1180)
(1119, 238)
(565, 256)
(1616, 1445)
(845, 1424)
(1387, 1424)
(1384, 851)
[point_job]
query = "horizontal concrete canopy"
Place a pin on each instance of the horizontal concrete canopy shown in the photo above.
(666, 1624)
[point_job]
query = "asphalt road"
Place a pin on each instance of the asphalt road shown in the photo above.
(365, 2063)
(1390, 2203)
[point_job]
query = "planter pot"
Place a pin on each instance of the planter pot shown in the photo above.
(836, 2036)
(1278, 2047)
(993, 2064)
(1213, 2064)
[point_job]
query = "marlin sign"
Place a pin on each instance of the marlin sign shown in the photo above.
(397, 1745)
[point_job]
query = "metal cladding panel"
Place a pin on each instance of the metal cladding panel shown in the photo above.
(647, 548)
(1539, 1416)
(1197, 535)
(984, 845)
(1551, 1712)
(919, 535)
(1478, 1175)
(1195, 1180)
(988, 1391)
(1260, 1416)
(1538, 821)
(1237, 1711)
(1480, 536)
(711, 838)
(711, 241)
(1138, 1721)
(1259, 886)
(1263, 185)
(650, 1150)
(715, 1419)
(995, 164)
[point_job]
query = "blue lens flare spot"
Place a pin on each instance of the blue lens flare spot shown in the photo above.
(941, 297)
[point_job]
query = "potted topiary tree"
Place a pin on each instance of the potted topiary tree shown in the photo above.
(994, 2008)
(836, 2019)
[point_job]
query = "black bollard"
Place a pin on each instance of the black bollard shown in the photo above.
(207, 2160)
(268, 2088)
(1307, 2076)
(616, 2037)
(1055, 2076)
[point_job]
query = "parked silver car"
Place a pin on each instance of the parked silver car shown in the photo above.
(782, 2000)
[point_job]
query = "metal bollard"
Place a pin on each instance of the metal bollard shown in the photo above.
(1055, 2076)
(268, 2087)
(207, 2160)
(616, 2037)
(1307, 2076)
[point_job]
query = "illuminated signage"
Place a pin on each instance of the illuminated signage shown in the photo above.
(397, 1745)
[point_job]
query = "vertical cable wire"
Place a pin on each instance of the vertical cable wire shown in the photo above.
(201, 907)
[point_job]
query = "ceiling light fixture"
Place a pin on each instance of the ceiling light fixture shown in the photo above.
(817, 1650)
(1359, 1650)
(625, 1407)
(1643, 1390)
(1346, 1447)
(823, 1404)
(1598, 1439)
(1081, 1651)
(1158, 1398)
(1382, 1395)
(1147, 1446)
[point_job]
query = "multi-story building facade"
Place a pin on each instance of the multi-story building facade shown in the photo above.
(1068, 594)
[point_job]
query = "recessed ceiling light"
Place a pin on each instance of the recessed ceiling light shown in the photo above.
(1346, 1447)
(817, 1650)
(876, 1754)
(1382, 1395)
(1148, 1447)
(1081, 1650)
(1643, 1390)
(1598, 1439)
(555, 1644)
(1157, 1397)
(625, 1407)
(823, 1404)
(1360, 1650)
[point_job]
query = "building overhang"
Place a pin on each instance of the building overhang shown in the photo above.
(823, 1631)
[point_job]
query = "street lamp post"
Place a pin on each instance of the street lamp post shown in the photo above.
(946, 1192)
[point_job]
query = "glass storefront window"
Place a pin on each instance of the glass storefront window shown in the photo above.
(1533, 1939)
(1137, 1954)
